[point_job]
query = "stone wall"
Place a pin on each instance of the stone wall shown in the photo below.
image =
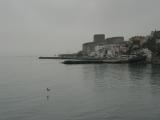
(99, 37)
(90, 48)
(115, 40)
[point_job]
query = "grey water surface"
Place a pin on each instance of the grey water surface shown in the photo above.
(78, 92)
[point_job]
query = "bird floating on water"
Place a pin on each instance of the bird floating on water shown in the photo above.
(48, 89)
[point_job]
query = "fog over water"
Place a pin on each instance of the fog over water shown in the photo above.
(37, 27)
(31, 28)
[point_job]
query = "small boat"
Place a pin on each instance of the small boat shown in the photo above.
(137, 58)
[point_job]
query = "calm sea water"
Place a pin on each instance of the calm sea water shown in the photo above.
(78, 92)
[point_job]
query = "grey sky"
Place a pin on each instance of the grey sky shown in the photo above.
(39, 27)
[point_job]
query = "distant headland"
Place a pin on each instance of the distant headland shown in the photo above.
(117, 49)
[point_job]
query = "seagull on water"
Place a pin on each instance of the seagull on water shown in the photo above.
(48, 89)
